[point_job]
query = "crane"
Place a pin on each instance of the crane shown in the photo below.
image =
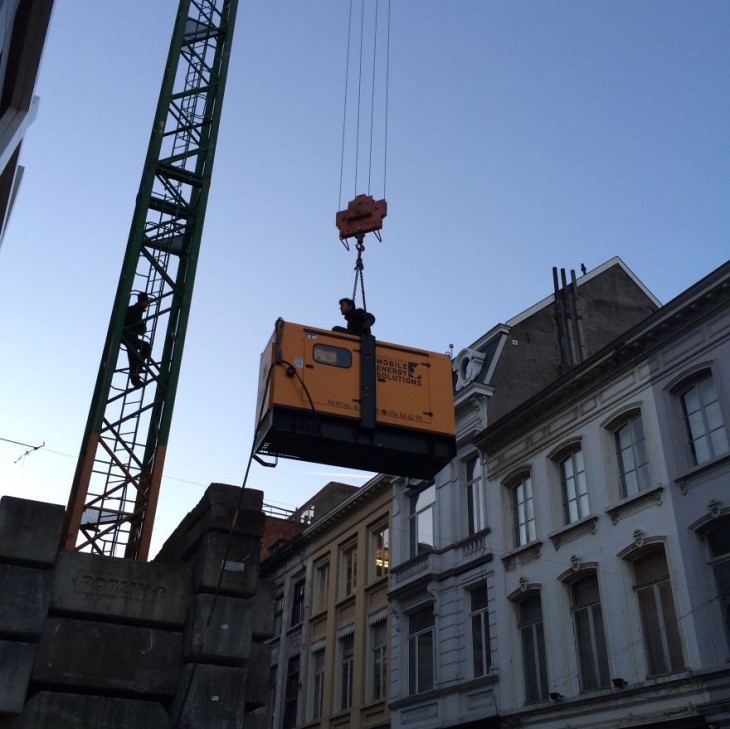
(117, 480)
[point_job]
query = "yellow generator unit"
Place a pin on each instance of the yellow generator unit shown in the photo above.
(355, 402)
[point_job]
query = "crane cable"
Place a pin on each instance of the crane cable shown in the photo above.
(359, 265)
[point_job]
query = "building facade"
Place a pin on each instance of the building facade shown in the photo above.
(23, 27)
(570, 568)
(330, 660)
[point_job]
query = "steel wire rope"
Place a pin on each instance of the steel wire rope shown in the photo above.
(372, 92)
(359, 94)
(229, 536)
(344, 112)
(387, 98)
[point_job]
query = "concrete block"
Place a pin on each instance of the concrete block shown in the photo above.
(240, 570)
(131, 592)
(257, 719)
(16, 663)
(47, 710)
(262, 612)
(215, 697)
(215, 512)
(30, 531)
(26, 593)
(259, 672)
(228, 637)
(101, 656)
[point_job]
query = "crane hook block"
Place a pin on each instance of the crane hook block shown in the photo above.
(363, 215)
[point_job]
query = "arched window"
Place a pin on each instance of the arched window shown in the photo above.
(573, 484)
(532, 636)
(718, 540)
(589, 633)
(703, 417)
(658, 615)
(523, 509)
(631, 453)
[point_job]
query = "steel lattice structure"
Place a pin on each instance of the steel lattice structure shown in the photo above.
(116, 486)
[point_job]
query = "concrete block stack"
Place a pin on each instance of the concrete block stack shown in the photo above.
(231, 614)
(95, 642)
(29, 535)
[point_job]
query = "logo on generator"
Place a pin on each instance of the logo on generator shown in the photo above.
(394, 370)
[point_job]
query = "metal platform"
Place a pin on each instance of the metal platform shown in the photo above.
(322, 438)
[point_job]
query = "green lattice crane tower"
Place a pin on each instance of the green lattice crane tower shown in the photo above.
(117, 482)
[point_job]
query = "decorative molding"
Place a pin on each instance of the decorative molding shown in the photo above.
(411, 569)
(586, 525)
(641, 545)
(578, 569)
(467, 365)
(523, 555)
(635, 503)
(716, 513)
(524, 590)
(475, 545)
(689, 478)
(419, 713)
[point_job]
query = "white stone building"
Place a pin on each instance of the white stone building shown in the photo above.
(572, 566)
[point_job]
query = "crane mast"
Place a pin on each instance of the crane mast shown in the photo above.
(117, 480)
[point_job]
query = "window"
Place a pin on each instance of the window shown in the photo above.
(422, 522)
(523, 511)
(297, 605)
(573, 484)
(348, 569)
(321, 584)
(633, 465)
(379, 660)
(380, 551)
(534, 663)
(291, 694)
(271, 695)
(329, 355)
(590, 638)
(475, 501)
(278, 615)
(421, 663)
(317, 682)
(719, 543)
(346, 671)
(658, 616)
(480, 630)
(703, 417)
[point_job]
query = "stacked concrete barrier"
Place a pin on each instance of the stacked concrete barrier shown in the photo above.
(231, 612)
(95, 642)
(29, 536)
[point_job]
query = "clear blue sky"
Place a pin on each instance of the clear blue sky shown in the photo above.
(522, 136)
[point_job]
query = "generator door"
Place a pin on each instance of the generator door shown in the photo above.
(332, 373)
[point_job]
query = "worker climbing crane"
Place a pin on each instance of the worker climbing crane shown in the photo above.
(118, 475)
(116, 485)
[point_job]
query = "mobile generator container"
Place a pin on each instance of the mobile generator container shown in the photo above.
(355, 402)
